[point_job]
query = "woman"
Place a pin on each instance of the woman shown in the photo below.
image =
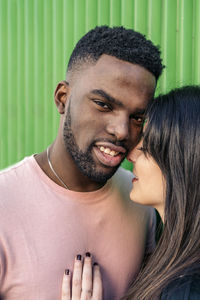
(167, 170)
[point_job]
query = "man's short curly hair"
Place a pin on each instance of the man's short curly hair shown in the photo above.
(122, 43)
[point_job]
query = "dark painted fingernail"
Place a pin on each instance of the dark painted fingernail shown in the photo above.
(66, 271)
(78, 257)
(87, 254)
(95, 264)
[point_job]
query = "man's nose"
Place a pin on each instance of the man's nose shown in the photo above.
(134, 153)
(119, 127)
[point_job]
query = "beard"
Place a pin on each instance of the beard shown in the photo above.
(83, 159)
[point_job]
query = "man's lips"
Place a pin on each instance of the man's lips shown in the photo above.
(111, 146)
(109, 154)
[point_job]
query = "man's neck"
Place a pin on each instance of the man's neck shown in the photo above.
(70, 175)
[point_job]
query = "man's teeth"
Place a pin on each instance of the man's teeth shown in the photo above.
(108, 151)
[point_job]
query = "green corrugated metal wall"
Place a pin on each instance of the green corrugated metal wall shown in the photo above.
(37, 37)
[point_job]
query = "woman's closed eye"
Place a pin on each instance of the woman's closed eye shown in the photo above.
(143, 149)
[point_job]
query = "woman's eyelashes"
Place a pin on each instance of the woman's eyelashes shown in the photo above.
(143, 149)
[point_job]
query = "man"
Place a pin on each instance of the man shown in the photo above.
(69, 199)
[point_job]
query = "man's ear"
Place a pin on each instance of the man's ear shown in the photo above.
(61, 95)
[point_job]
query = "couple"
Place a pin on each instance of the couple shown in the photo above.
(73, 198)
(166, 167)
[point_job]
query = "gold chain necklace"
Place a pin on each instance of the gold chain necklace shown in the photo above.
(54, 172)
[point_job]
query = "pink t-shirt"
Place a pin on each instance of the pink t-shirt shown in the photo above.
(43, 226)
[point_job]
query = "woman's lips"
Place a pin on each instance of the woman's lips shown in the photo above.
(134, 179)
(107, 159)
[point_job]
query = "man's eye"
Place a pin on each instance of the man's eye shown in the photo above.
(102, 104)
(138, 119)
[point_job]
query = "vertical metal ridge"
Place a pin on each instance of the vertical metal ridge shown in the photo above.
(4, 90)
(168, 44)
(127, 13)
(48, 71)
(196, 43)
(79, 19)
(2, 37)
(90, 14)
(57, 59)
(103, 12)
(11, 84)
(154, 25)
(68, 30)
(38, 86)
(20, 94)
(140, 16)
(29, 77)
(184, 42)
(115, 13)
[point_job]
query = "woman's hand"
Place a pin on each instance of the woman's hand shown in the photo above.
(85, 284)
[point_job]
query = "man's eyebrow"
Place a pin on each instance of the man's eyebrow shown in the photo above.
(107, 97)
(139, 111)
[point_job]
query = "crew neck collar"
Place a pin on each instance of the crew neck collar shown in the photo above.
(61, 190)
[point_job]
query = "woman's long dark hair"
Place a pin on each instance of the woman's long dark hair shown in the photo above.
(172, 138)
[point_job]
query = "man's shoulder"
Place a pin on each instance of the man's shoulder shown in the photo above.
(15, 176)
(15, 168)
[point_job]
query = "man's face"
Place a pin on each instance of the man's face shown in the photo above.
(104, 114)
